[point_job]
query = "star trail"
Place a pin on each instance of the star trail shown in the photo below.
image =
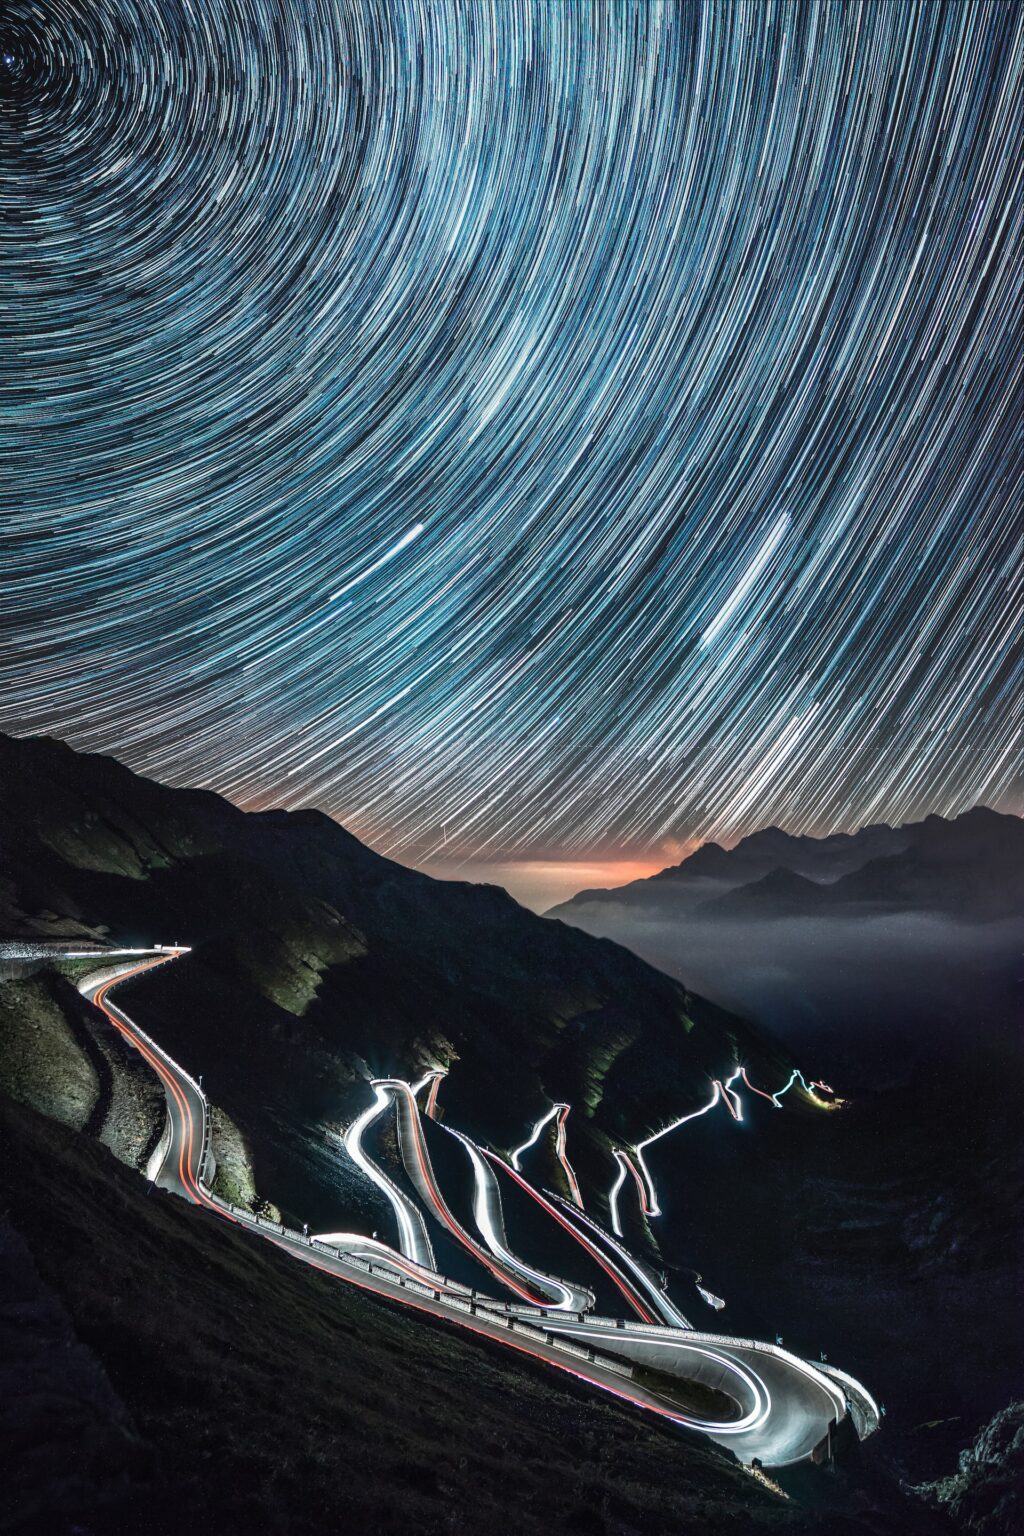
(517, 427)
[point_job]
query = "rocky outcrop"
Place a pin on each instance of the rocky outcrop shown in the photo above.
(59, 1056)
(985, 1495)
(42, 1062)
(234, 1179)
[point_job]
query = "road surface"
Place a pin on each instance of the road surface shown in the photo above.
(783, 1408)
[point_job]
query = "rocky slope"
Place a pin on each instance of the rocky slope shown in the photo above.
(985, 1495)
(162, 1371)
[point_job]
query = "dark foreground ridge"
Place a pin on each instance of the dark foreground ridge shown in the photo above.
(161, 1368)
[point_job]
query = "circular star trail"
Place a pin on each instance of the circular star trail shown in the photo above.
(517, 425)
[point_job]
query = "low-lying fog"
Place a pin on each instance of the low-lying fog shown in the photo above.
(851, 995)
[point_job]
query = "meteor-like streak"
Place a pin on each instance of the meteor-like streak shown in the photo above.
(487, 1213)
(413, 1237)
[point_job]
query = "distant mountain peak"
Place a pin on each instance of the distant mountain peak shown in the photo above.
(871, 865)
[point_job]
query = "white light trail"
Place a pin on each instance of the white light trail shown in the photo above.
(653, 1208)
(414, 1242)
(756, 1389)
(390, 554)
(664, 1306)
(541, 1123)
(486, 1214)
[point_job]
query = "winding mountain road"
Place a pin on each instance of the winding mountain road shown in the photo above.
(784, 1407)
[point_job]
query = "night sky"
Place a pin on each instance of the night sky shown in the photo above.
(527, 432)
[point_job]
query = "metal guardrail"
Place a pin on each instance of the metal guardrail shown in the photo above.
(468, 1305)
(859, 1396)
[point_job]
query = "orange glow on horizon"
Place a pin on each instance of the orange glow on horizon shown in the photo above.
(543, 883)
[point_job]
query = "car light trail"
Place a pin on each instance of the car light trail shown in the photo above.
(755, 1389)
(574, 1188)
(653, 1208)
(721, 1091)
(531, 1139)
(161, 1066)
(625, 1164)
(421, 1172)
(413, 1238)
(488, 1217)
(559, 1113)
(355, 1242)
(629, 1291)
(664, 1307)
(778, 1434)
(432, 1095)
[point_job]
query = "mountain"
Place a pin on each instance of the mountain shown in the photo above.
(318, 964)
(972, 866)
(197, 1365)
(890, 962)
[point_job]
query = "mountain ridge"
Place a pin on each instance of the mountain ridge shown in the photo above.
(877, 864)
(317, 964)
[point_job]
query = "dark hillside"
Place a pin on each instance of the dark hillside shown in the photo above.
(163, 1371)
(318, 964)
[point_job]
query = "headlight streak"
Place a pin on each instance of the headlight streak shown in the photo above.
(559, 1113)
(420, 1170)
(356, 1242)
(721, 1091)
(756, 1415)
(533, 1136)
(629, 1291)
(179, 1085)
(414, 1240)
(431, 1105)
(488, 1217)
(663, 1305)
(560, 1152)
(570, 426)
(626, 1164)
(653, 1208)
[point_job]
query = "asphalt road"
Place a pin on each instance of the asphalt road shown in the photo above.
(784, 1406)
